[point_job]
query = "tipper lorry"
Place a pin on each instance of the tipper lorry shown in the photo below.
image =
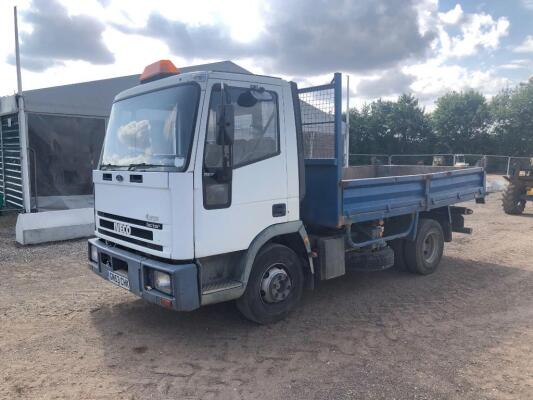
(216, 186)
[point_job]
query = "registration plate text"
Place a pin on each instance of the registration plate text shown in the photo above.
(119, 280)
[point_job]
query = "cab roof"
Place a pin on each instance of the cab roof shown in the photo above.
(200, 77)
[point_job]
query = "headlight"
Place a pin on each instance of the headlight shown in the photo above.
(93, 253)
(162, 282)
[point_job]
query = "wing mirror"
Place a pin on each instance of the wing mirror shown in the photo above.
(251, 97)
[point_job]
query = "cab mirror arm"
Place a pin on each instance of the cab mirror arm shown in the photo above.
(226, 127)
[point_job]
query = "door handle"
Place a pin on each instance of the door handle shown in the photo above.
(279, 210)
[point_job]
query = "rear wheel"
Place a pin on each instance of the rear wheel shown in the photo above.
(274, 287)
(423, 255)
(512, 201)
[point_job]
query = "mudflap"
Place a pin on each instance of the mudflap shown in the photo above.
(375, 260)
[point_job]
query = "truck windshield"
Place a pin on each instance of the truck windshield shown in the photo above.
(152, 130)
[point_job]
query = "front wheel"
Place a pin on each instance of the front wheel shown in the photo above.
(423, 255)
(274, 287)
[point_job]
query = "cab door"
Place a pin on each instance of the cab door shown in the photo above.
(233, 206)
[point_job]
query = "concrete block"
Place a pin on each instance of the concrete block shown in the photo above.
(53, 226)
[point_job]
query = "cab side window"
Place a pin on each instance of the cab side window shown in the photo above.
(216, 186)
(256, 138)
(256, 126)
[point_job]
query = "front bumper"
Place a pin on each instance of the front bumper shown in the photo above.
(184, 277)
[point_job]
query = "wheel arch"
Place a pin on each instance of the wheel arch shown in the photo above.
(291, 234)
(443, 216)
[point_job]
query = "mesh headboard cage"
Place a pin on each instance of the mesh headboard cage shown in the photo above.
(317, 106)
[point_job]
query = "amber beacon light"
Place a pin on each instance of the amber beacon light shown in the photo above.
(158, 70)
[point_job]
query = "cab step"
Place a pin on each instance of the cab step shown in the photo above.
(219, 286)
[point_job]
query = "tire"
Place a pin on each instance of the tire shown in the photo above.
(398, 246)
(377, 260)
(423, 255)
(511, 202)
(274, 287)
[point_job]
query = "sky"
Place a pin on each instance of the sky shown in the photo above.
(388, 47)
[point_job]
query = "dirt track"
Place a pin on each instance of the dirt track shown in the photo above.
(464, 332)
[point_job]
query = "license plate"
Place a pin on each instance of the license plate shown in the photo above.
(119, 280)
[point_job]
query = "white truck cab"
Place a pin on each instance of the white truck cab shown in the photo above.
(190, 205)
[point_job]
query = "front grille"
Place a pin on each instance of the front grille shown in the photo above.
(132, 230)
(137, 232)
(148, 224)
(131, 240)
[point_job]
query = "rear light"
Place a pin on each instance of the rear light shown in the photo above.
(165, 303)
(158, 70)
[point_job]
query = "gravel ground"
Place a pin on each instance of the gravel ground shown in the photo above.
(465, 332)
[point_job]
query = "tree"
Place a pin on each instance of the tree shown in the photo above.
(412, 126)
(460, 122)
(512, 120)
(388, 127)
(463, 122)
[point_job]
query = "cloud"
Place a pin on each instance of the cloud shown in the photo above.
(203, 41)
(313, 37)
(477, 31)
(511, 66)
(526, 46)
(516, 64)
(393, 82)
(34, 64)
(460, 35)
(528, 4)
(453, 16)
(308, 37)
(57, 37)
(434, 79)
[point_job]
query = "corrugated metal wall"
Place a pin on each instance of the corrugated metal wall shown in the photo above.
(10, 167)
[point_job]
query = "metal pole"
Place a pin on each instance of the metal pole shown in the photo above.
(23, 131)
(337, 79)
(347, 133)
(17, 54)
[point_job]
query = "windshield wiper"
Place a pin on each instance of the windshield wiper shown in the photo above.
(108, 165)
(143, 164)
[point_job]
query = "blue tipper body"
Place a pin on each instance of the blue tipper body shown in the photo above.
(382, 197)
(333, 202)
(337, 196)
